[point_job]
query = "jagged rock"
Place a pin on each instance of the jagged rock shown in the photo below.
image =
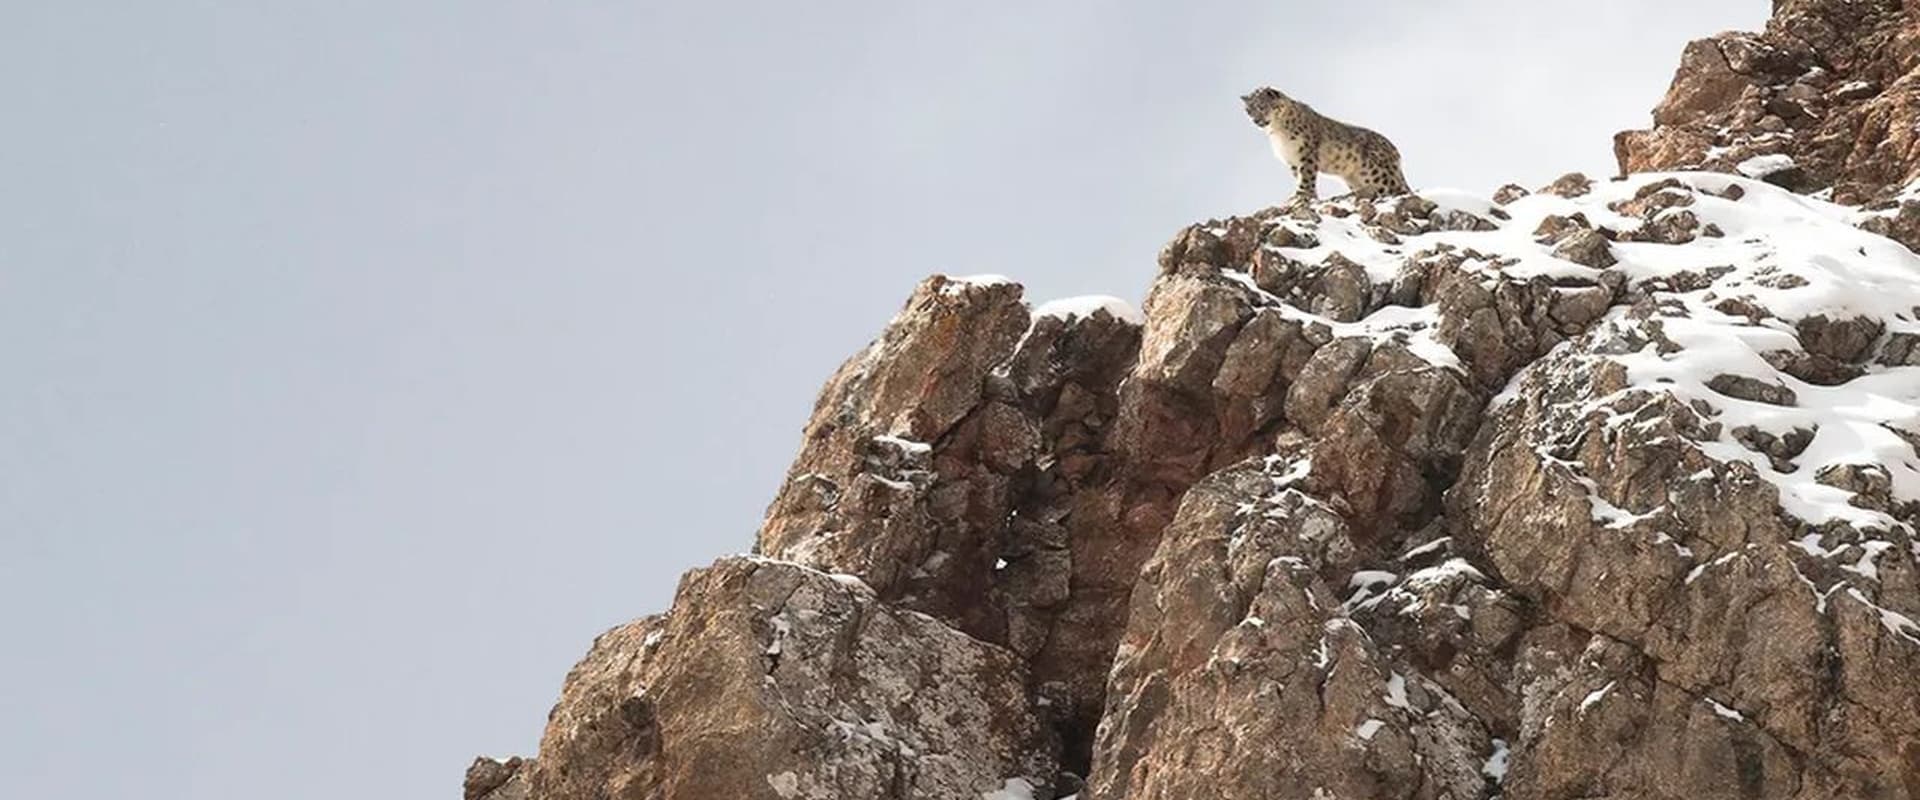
(1901, 224)
(1572, 184)
(1421, 497)
(1820, 99)
(1900, 350)
(497, 779)
(869, 495)
(1847, 340)
(1813, 368)
(1196, 398)
(1240, 676)
(1387, 450)
(1678, 561)
(954, 444)
(1586, 248)
(1749, 388)
(1509, 193)
(1496, 327)
(771, 680)
(1337, 288)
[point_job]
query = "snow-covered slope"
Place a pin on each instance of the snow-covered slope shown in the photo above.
(1722, 302)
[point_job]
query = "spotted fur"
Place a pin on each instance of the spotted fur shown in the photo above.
(1366, 161)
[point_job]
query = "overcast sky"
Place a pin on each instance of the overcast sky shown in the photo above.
(363, 360)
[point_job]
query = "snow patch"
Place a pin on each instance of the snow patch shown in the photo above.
(905, 445)
(984, 279)
(1702, 569)
(1496, 767)
(781, 627)
(1725, 712)
(1895, 622)
(851, 581)
(1594, 697)
(1067, 308)
(1430, 547)
(1762, 166)
(1013, 789)
(1397, 693)
(1440, 573)
(1369, 587)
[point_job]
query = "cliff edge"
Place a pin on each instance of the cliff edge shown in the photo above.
(1606, 489)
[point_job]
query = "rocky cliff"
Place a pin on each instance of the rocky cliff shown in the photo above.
(1825, 100)
(1603, 490)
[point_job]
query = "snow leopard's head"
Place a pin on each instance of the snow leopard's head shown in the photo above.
(1262, 102)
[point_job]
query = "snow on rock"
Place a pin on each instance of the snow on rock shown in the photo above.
(1594, 697)
(1790, 282)
(851, 691)
(905, 445)
(1739, 423)
(1762, 166)
(984, 279)
(1068, 308)
(1446, 570)
(1725, 712)
(1369, 587)
(1705, 394)
(1014, 789)
(781, 627)
(1495, 767)
(1396, 695)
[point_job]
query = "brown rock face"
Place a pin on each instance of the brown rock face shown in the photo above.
(492, 779)
(770, 680)
(1453, 509)
(1667, 601)
(1826, 92)
(977, 513)
(906, 474)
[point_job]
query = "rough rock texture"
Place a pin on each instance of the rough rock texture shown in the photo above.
(497, 779)
(1601, 490)
(1639, 583)
(1823, 99)
(1497, 517)
(771, 680)
(1243, 669)
(950, 465)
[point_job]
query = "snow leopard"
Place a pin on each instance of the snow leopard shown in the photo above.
(1312, 143)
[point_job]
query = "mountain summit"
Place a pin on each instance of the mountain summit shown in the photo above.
(1606, 489)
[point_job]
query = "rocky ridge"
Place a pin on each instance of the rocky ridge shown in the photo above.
(1823, 100)
(1602, 490)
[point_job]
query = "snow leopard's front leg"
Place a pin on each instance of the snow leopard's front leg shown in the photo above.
(1306, 171)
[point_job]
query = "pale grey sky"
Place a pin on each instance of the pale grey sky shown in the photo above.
(365, 359)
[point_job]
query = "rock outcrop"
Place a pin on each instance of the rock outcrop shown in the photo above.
(1826, 98)
(768, 679)
(1606, 489)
